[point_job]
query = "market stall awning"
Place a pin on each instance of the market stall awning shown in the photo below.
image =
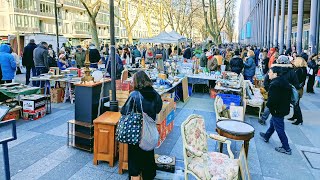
(164, 37)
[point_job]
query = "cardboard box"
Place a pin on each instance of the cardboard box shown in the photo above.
(57, 95)
(34, 115)
(163, 113)
(33, 102)
(170, 117)
(13, 113)
(170, 102)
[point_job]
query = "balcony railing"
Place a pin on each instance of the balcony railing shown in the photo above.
(25, 11)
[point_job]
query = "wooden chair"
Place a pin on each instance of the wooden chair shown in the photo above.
(257, 101)
(198, 161)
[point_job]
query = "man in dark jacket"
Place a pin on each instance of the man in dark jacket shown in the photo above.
(94, 56)
(279, 104)
(203, 58)
(40, 58)
(187, 53)
(288, 73)
(236, 63)
(27, 60)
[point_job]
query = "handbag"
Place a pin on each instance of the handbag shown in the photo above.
(129, 127)
(150, 134)
(294, 95)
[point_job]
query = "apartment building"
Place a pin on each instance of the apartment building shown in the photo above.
(29, 17)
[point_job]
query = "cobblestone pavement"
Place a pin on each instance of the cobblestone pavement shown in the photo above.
(40, 152)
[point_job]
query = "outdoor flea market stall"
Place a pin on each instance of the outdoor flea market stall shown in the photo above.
(94, 126)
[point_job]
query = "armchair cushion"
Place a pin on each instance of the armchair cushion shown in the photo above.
(196, 138)
(219, 165)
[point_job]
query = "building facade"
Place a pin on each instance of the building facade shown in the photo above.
(281, 23)
(30, 17)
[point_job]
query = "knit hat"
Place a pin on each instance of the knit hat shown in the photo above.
(283, 60)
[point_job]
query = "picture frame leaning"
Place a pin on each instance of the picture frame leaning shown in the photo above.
(244, 169)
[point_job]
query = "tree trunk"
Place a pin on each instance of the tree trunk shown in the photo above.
(130, 38)
(94, 32)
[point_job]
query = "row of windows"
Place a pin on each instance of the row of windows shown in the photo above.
(47, 8)
(24, 4)
(24, 21)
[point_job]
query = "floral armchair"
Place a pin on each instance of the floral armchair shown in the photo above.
(198, 161)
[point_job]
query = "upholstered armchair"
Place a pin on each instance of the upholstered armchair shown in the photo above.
(198, 161)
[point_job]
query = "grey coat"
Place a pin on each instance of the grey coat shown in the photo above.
(40, 57)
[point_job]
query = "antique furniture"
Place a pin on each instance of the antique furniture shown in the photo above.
(197, 160)
(252, 96)
(123, 157)
(236, 130)
(105, 146)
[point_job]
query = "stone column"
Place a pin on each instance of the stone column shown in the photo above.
(313, 26)
(268, 24)
(265, 20)
(276, 29)
(272, 24)
(283, 2)
(289, 25)
(300, 26)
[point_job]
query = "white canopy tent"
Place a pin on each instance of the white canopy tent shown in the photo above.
(166, 38)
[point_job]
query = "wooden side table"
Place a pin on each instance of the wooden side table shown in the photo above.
(236, 130)
(123, 157)
(105, 146)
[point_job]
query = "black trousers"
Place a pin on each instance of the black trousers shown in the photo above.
(310, 83)
(297, 111)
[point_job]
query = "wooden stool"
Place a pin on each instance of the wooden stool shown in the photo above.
(105, 146)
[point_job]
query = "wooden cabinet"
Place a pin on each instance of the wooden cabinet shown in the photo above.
(105, 146)
(123, 157)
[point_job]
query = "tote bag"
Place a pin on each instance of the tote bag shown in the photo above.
(150, 134)
(129, 127)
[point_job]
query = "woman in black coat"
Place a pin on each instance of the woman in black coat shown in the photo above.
(140, 161)
(312, 66)
(301, 72)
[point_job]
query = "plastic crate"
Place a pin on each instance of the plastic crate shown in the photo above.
(230, 98)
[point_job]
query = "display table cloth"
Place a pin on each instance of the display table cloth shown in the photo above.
(24, 91)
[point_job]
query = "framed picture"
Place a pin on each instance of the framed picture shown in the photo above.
(244, 169)
(236, 113)
(8, 135)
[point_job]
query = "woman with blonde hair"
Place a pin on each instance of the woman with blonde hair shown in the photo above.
(301, 71)
(249, 66)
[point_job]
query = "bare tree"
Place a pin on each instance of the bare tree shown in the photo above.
(214, 23)
(230, 21)
(92, 7)
(126, 19)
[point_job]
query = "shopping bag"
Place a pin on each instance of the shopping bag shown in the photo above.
(150, 134)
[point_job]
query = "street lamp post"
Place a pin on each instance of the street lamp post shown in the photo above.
(113, 101)
(56, 21)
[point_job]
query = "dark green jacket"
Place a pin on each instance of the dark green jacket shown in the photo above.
(203, 60)
(80, 57)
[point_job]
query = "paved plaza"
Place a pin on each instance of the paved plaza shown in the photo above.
(41, 150)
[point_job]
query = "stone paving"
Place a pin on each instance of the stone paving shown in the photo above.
(41, 150)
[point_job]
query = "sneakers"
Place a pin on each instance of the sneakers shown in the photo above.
(282, 150)
(263, 136)
(262, 122)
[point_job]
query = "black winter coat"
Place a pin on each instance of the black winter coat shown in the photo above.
(94, 56)
(301, 73)
(236, 64)
(288, 74)
(151, 102)
(313, 65)
(27, 58)
(279, 97)
(187, 53)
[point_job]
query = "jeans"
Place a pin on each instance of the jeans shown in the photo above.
(277, 124)
(28, 69)
(265, 114)
(40, 70)
(249, 78)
